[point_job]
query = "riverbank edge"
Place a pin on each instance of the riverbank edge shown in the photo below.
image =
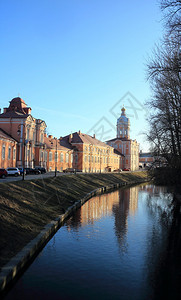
(19, 262)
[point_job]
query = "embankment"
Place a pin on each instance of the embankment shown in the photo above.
(27, 206)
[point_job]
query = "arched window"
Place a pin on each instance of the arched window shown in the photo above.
(61, 157)
(9, 152)
(3, 151)
(28, 134)
(50, 156)
(45, 156)
(14, 154)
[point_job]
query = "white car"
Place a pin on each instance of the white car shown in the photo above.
(13, 171)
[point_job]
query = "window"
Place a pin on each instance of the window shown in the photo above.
(95, 159)
(3, 151)
(72, 156)
(9, 152)
(45, 156)
(28, 134)
(61, 157)
(50, 156)
(67, 158)
(85, 158)
(85, 148)
(34, 135)
(41, 138)
(76, 158)
(14, 154)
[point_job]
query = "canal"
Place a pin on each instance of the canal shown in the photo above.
(114, 247)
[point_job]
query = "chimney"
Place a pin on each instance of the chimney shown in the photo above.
(0, 110)
(4, 110)
(50, 136)
(94, 136)
(70, 137)
(45, 135)
(79, 132)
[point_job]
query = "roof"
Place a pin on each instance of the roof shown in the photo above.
(119, 139)
(5, 135)
(118, 153)
(82, 138)
(17, 109)
(13, 114)
(51, 144)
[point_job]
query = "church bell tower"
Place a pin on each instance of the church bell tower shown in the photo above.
(123, 125)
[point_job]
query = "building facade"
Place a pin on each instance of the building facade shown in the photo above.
(57, 156)
(90, 154)
(8, 147)
(124, 145)
(18, 123)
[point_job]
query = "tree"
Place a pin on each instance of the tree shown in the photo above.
(164, 73)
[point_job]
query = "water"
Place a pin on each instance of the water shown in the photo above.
(113, 247)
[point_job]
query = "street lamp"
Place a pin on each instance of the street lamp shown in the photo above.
(24, 144)
(56, 158)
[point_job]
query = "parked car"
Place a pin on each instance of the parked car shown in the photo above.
(69, 170)
(3, 173)
(42, 170)
(118, 170)
(21, 171)
(32, 171)
(125, 169)
(13, 171)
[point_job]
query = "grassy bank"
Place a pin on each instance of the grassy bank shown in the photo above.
(27, 206)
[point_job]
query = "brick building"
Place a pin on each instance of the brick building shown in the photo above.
(124, 145)
(7, 150)
(57, 154)
(18, 123)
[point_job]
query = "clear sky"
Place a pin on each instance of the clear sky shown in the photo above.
(76, 62)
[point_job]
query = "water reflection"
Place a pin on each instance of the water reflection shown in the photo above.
(119, 204)
(121, 245)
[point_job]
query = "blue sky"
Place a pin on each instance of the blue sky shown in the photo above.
(76, 62)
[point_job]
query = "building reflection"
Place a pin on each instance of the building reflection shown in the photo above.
(120, 203)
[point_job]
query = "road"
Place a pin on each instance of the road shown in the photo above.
(30, 177)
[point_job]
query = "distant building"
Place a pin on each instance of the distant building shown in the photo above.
(17, 122)
(124, 145)
(146, 159)
(7, 150)
(90, 154)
